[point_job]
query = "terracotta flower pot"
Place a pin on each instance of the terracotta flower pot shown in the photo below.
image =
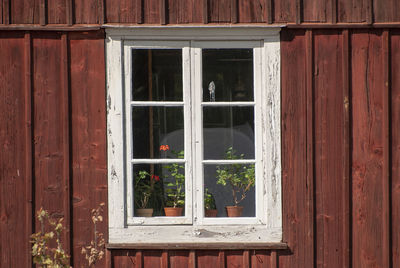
(211, 212)
(234, 211)
(144, 212)
(173, 212)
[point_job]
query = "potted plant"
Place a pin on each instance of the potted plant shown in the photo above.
(175, 192)
(240, 177)
(210, 208)
(144, 188)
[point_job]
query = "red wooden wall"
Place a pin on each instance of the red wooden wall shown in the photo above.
(340, 149)
(71, 12)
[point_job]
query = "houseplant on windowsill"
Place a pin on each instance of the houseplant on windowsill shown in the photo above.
(210, 209)
(240, 177)
(145, 185)
(175, 187)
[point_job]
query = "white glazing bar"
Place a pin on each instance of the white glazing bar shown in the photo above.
(227, 161)
(186, 66)
(157, 103)
(128, 129)
(158, 161)
(198, 134)
(226, 103)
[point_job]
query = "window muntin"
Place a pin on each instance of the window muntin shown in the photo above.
(267, 227)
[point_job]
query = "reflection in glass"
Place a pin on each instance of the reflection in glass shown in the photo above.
(225, 127)
(231, 72)
(157, 132)
(157, 74)
(229, 185)
(157, 186)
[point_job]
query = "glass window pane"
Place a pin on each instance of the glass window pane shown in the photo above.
(157, 74)
(228, 127)
(229, 185)
(157, 132)
(157, 186)
(227, 75)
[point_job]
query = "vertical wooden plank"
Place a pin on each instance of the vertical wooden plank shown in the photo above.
(88, 136)
(352, 11)
(86, 11)
(101, 11)
(29, 210)
(151, 11)
(139, 259)
(274, 259)
(386, 149)
(251, 11)
(163, 12)
(6, 11)
(23, 11)
(315, 11)
(66, 139)
(286, 11)
(369, 238)
(14, 239)
(332, 17)
(395, 145)
(69, 13)
(205, 11)
(1, 12)
(246, 259)
(297, 230)
(56, 11)
(329, 122)
(299, 11)
(346, 150)
(180, 258)
(43, 13)
(268, 11)
(262, 258)
(221, 259)
(139, 11)
(164, 259)
(192, 259)
(234, 11)
(309, 80)
(207, 258)
(152, 258)
(49, 134)
(386, 10)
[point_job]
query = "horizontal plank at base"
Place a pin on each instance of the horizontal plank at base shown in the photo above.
(199, 246)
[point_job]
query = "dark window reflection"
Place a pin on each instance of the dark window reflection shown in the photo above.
(231, 71)
(157, 74)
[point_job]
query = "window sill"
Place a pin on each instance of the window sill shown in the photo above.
(227, 245)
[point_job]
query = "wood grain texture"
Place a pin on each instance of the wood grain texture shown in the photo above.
(253, 11)
(285, 11)
(328, 155)
(178, 258)
(57, 11)
(21, 11)
(369, 239)
(219, 10)
(151, 12)
(315, 10)
(124, 11)
(395, 146)
(386, 10)
(352, 11)
(14, 174)
(209, 258)
(87, 11)
(261, 259)
(49, 137)
(296, 226)
(88, 125)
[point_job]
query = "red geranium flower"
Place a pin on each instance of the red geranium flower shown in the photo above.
(164, 148)
(155, 177)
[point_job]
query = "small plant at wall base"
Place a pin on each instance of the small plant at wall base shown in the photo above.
(240, 177)
(175, 187)
(95, 251)
(43, 255)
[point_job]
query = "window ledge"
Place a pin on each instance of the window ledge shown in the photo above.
(275, 245)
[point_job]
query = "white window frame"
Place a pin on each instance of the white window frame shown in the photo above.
(266, 227)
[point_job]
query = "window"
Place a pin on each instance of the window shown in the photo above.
(193, 122)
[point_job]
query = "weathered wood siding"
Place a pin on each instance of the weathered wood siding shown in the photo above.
(70, 12)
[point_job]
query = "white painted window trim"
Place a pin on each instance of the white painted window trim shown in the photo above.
(266, 227)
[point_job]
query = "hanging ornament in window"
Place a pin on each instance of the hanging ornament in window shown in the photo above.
(211, 88)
